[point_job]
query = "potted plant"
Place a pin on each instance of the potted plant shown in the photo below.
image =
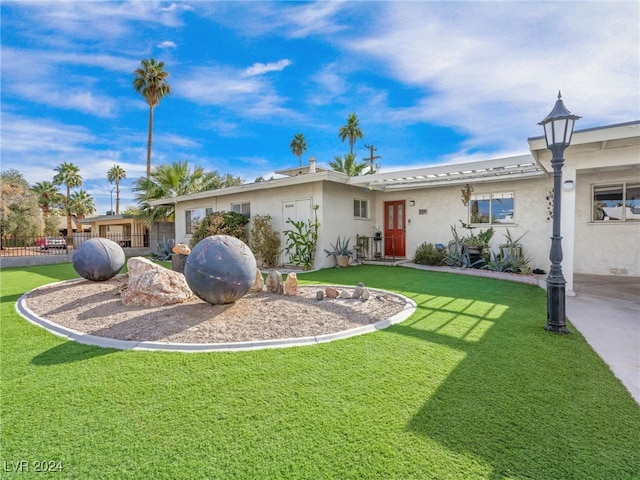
(475, 243)
(511, 250)
(341, 252)
(362, 246)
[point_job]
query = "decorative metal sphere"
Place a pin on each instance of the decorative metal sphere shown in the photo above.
(98, 259)
(220, 269)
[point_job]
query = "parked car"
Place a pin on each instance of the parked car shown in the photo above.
(52, 242)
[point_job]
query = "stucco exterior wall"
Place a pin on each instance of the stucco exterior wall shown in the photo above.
(336, 218)
(262, 202)
(444, 208)
(604, 248)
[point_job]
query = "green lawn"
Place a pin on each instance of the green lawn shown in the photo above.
(469, 387)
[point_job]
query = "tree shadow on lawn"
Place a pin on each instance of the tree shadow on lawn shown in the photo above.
(529, 403)
(70, 352)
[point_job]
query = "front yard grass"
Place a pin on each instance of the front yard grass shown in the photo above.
(469, 387)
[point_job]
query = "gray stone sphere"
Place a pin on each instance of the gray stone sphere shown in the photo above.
(220, 269)
(98, 259)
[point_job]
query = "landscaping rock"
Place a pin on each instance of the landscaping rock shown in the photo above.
(320, 295)
(344, 294)
(291, 285)
(357, 292)
(258, 283)
(152, 285)
(181, 249)
(331, 292)
(274, 282)
(365, 294)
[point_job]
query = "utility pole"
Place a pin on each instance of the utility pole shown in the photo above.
(372, 157)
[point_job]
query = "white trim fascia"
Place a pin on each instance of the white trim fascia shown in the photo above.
(453, 174)
(324, 176)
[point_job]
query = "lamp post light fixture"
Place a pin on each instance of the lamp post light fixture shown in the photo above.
(558, 128)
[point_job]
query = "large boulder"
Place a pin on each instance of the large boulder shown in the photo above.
(152, 285)
(98, 259)
(220, 269)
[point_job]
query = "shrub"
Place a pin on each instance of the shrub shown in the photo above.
(265, 242)
(302, 239)
(221, 223)
(429, 254)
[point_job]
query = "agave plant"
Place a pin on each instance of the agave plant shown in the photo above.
(165, 249)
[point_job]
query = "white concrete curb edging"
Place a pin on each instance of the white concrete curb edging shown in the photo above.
(86, 339)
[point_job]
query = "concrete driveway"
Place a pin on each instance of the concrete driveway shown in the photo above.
(606, 311)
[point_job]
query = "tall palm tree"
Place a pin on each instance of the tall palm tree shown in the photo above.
(82, 204)
(298, 146)
(68, 174)
(348, 166)
(115, 174)
(151, 82)
(351, 131)
(48, 196)
(171, 180)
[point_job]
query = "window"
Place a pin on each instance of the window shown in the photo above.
(243, 208)
(616, 202)
(360, 208)
(492, 208)
(193, 219)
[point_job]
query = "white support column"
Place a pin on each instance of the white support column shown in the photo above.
(568, 217)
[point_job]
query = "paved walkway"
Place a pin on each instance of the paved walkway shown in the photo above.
(606, 311)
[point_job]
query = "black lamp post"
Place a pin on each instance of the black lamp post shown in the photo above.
(558, 127)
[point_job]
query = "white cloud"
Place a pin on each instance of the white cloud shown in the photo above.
(262, 68)
(107, 20)
(317, 18)
(248, 96)
(494, 71)
(167, 44)
(28, 74)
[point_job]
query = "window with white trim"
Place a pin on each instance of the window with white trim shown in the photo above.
(243, 208)
(492, 208)
(619, 202)
(193, 218)
(360, 208)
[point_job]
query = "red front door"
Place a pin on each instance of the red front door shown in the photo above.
(394, 228)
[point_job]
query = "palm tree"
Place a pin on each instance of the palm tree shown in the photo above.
(115, 174)
(348, 166)
(151, 82)
(69, 175)
(351, 131)
(82, 204)
(171, 180)
(298, 146)
(48, 196)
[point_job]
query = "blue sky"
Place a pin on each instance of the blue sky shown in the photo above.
(431, 82)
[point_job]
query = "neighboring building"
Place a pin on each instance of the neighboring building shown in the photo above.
(76, 225)
(600, 211)
(122, 229)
